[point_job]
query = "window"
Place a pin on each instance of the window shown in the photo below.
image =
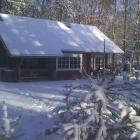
(109, 59)
(99, 62)
(68, 63)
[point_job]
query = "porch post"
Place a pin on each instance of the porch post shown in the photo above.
(19, 63)
(106, 60)
(113, 62)
(92, 64)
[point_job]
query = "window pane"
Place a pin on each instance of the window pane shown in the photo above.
(63, 63)
(75, 62)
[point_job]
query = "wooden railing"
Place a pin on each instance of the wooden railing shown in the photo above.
(33, 73)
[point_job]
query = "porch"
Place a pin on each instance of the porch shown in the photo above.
(99, 63)
(27, 69)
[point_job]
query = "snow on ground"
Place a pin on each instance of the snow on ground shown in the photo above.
(34, 102)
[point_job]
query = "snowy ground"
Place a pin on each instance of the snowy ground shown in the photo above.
(34, 102)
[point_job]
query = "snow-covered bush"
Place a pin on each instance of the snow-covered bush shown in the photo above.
(95, 116)
(8, 124)
(137, 75)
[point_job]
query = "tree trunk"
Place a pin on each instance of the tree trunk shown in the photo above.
(0, 6)
(125, 22)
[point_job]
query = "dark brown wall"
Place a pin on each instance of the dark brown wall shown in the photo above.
(3, 56)
(63, 75)
(41, 71)
(49, 71)
(51, 68)
(12, 62)
(86, 66)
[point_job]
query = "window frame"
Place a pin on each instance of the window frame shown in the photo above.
(99, 58)
(69, 63)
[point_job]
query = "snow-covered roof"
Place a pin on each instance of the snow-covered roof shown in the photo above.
(24, 36)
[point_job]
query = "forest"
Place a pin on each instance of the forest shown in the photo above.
(101, 107)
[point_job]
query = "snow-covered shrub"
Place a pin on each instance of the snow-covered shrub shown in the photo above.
(126, 76)
(133, 71)
(8, 124)
(7, 131)
(137, 109)
(137, 75)
(94, 117)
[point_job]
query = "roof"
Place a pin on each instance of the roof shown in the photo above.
(24, 36)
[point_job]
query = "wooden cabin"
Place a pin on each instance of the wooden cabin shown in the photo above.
(41, 49)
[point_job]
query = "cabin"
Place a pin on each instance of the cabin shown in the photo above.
(39, 49)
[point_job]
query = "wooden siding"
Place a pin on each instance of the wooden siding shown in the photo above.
(15, 70)
(86, 63)
(64, 75)
(3, 56)
(43, 70)
(51, 66)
